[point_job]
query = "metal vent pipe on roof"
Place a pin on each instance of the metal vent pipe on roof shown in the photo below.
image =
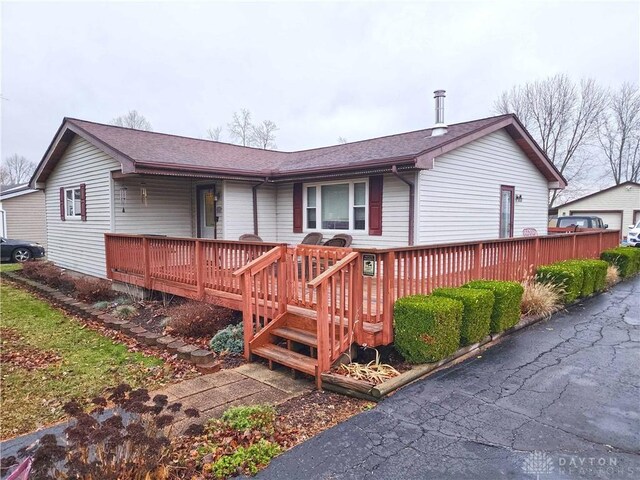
(440, 128)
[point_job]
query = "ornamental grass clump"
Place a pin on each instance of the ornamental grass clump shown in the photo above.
(427, 328)
(568, 278)
(131, 441)
(612, 277)
(373, 372)
(541, 299)
(506, 308)
(476, 316)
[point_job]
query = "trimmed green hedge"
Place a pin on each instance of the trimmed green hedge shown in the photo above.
(506, 308)
(594, 274)
(569, 277)
(626, 259)
(427, 329)
(476, 317)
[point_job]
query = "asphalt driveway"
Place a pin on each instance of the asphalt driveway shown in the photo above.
(560, 399)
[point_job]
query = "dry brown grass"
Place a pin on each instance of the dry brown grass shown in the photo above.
(613, 276)
(540, 298)
(374, 371)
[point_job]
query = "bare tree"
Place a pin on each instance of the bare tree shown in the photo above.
(214, 133)
(619, 134)
(562, 116)
(133, 119)
(264, 134)
(342, 140)
(241, 129)
(16, 169)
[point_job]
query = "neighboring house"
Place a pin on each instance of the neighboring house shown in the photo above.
(23, 213)
(618, 206)
(481, 179)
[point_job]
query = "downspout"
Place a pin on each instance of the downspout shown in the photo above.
(254, 191)
(412, 198)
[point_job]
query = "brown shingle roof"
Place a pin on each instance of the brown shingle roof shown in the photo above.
(146, 151)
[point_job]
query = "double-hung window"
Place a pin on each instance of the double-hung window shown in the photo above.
(72, 202)
(336, 206)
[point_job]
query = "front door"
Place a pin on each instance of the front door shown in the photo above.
(506, 211)
(207, 212)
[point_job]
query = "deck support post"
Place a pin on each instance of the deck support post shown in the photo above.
(388, 296)
(477, 261)
(322, 329)
(573, 246)
(283, 297)
(199, 270)
(147, 264)
(247, 314)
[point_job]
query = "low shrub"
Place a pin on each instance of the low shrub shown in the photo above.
(93, 289)
(565, 277)
(252, 417)
(613, 276)
(133, 442)
(246, 459)
(593, 274)
(541, 298)
(49, 274)
(199, 319)
(125, 311)
(506, 308)
(427, 328)
(626, 260)
(229, 339)
(476, 316)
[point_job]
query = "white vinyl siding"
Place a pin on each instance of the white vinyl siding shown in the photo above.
(74, 244)
(168, 210)
(26, 217)
(459, 199)
(623, 197)
(238, 211)
(395, 216)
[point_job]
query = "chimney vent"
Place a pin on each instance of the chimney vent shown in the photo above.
(440, 128)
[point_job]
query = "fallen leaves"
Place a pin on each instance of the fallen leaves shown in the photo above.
(16, 352)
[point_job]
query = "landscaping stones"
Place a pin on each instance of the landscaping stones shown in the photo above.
(150, 338)
(173, 347)
(200, 357)
(203, 359)
(185, 351)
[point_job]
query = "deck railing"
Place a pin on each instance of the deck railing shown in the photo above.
(194, 268)
(350, 305)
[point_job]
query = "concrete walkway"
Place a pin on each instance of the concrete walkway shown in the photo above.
(210, 394)
(568, 388)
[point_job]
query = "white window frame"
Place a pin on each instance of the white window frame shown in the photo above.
(75, 215)
(318, 207)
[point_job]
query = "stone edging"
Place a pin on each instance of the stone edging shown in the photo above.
(202, 359)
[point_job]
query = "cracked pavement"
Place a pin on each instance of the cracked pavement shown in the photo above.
(568, 386)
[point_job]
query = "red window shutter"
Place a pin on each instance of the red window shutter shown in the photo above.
(62, 212)
(297, 208)
(83, 202)
(375, 205)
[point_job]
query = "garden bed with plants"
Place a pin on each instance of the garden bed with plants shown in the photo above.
(452, 324)
(194, 323)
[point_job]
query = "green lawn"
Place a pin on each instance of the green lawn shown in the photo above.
(77, 363)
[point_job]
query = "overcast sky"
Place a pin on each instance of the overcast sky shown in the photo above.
(319, 70)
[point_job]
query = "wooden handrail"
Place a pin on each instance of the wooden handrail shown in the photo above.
(261, 262)
(333, 269)
(204, 240)
(474, 242)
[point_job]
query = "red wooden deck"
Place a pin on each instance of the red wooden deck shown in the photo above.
(327, 289)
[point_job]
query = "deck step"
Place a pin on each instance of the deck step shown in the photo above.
(297, 335)
(287, 357)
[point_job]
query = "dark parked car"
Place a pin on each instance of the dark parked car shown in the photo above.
(580, 221)
(19, 250)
